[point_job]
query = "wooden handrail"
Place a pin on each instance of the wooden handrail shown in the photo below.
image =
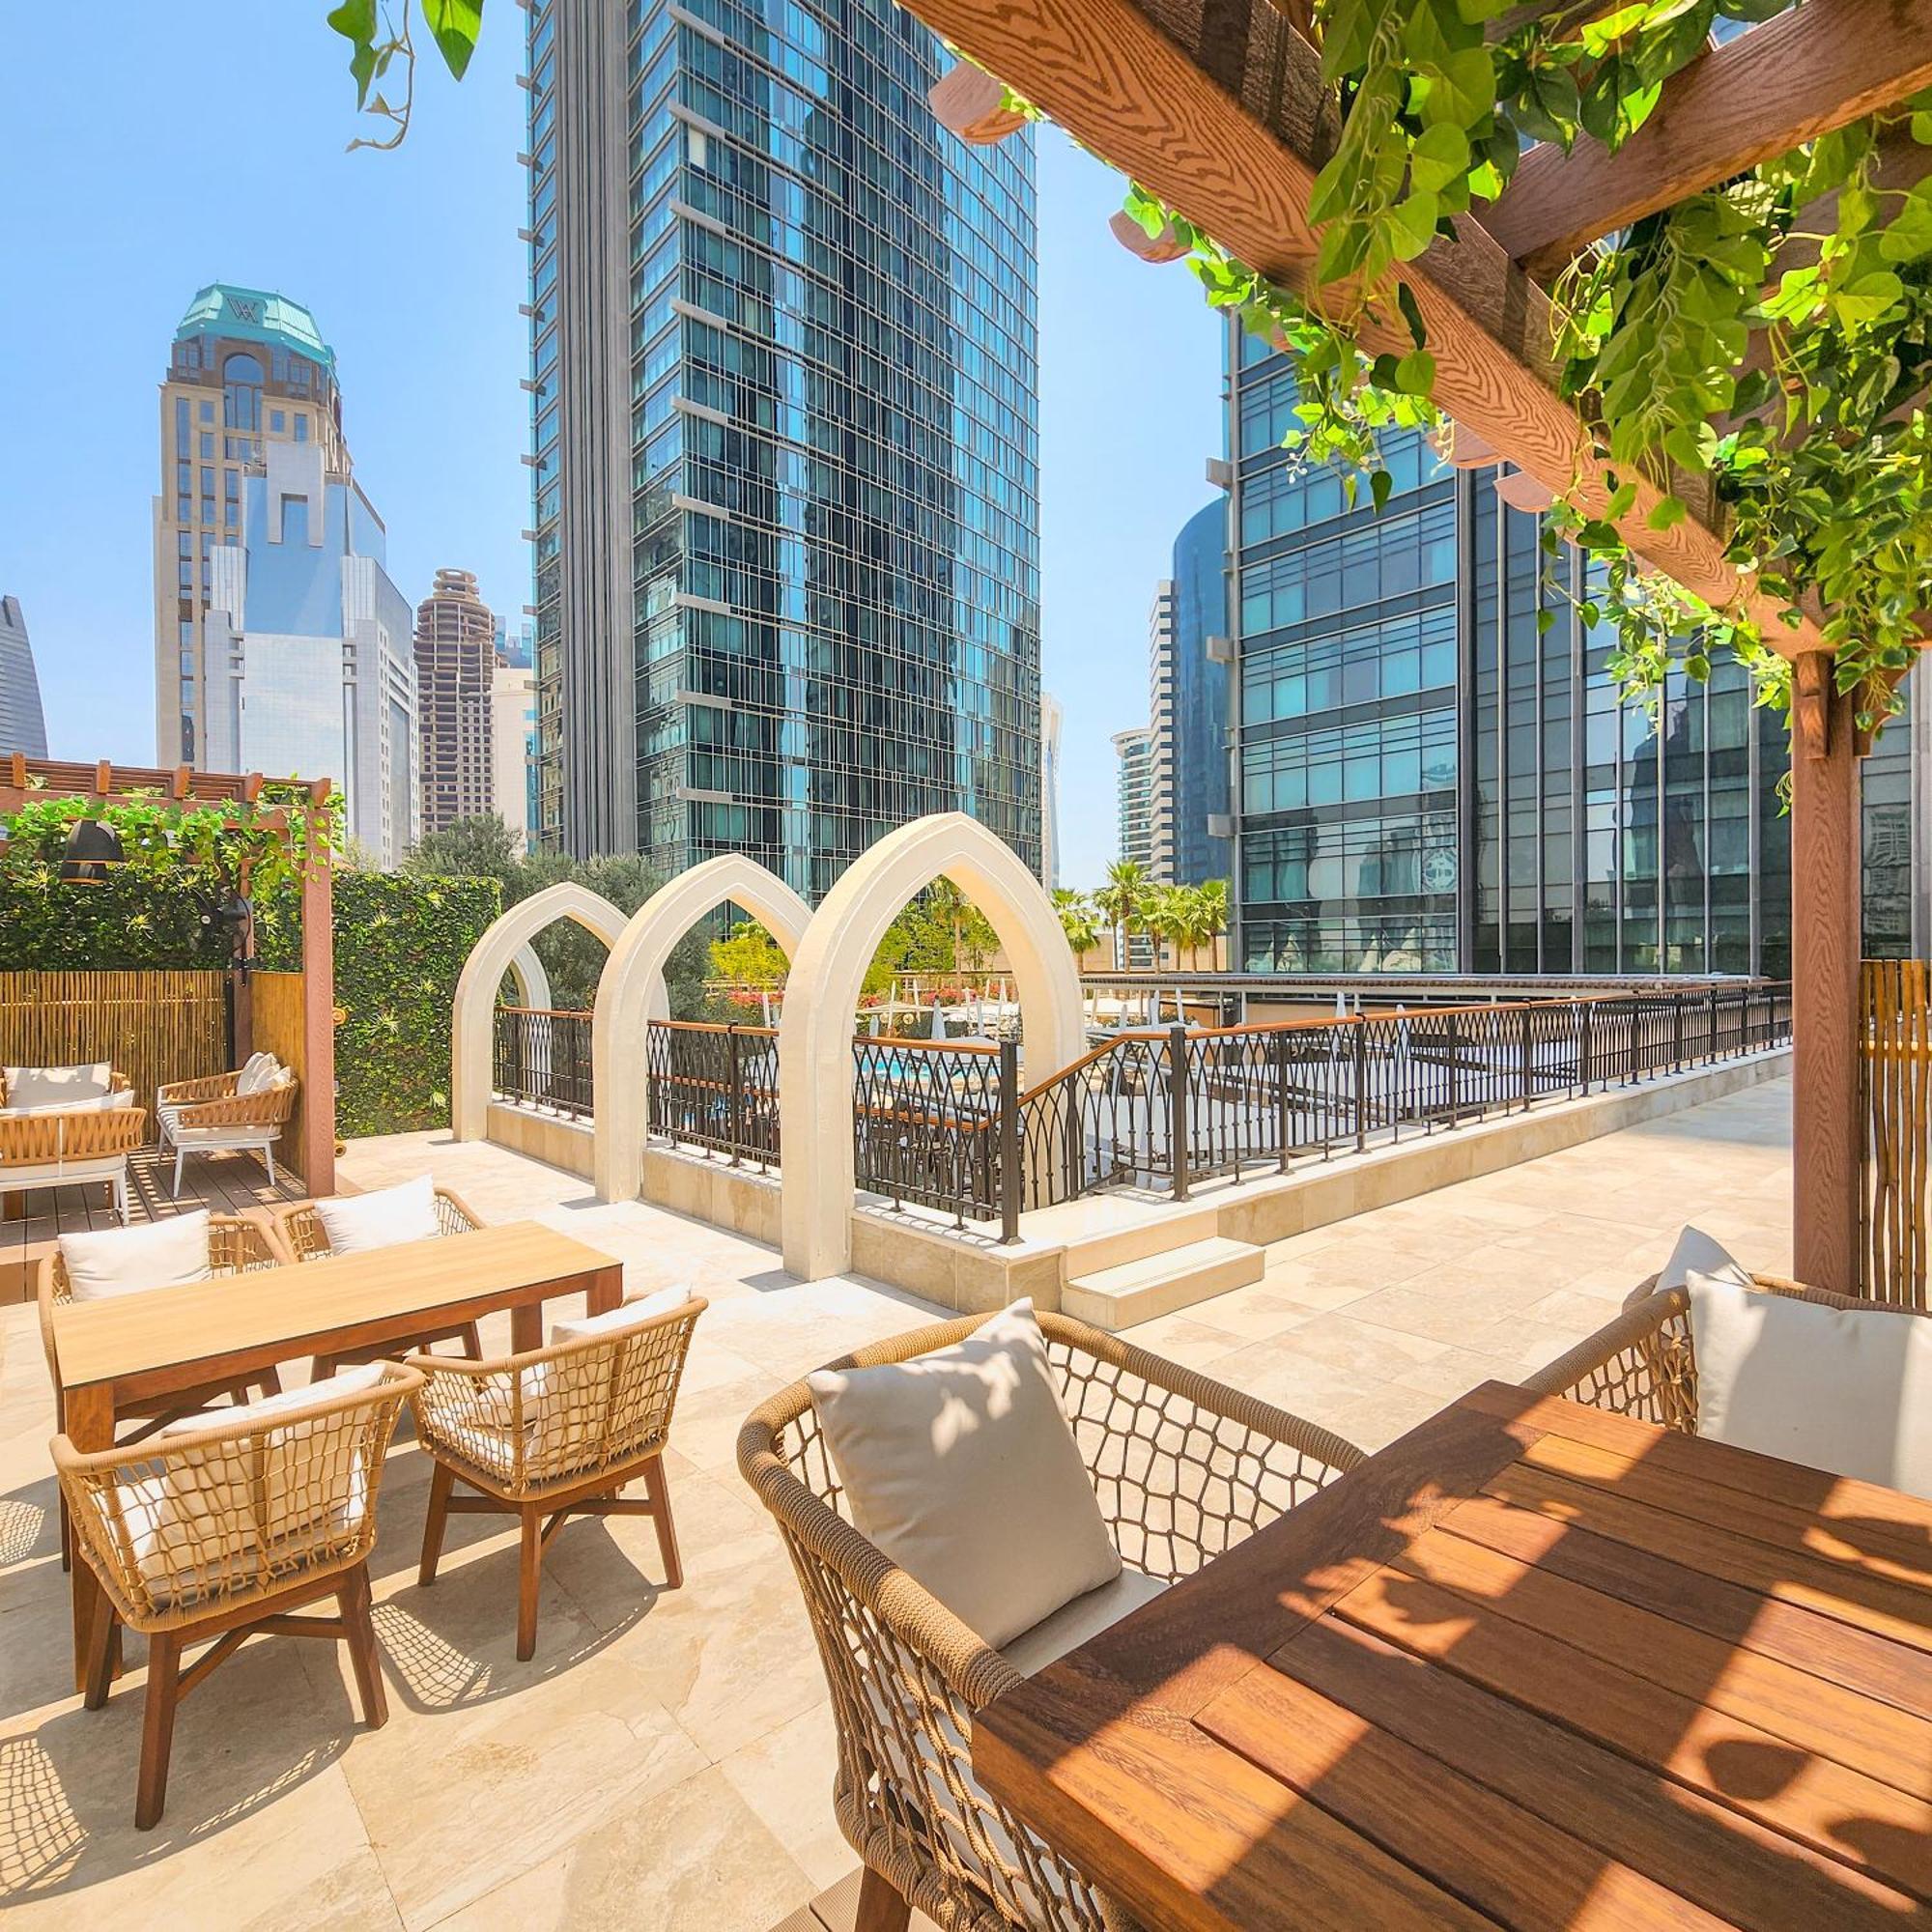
(548, 1013)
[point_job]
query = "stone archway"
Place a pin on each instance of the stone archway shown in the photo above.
(827, 971)
(631, 993)
(499, 951)
(528, 971)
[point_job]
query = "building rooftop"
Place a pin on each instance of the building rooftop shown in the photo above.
(255, 315)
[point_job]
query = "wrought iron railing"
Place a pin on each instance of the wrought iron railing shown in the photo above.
(945, 1123)
(541, 1057)
(1164, 1109)
(714, 1087)
(936, 1122)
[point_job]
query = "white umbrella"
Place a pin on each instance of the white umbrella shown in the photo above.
(938, 1020)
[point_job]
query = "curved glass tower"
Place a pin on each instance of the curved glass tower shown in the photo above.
(786, 438)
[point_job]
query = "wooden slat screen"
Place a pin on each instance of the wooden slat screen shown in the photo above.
(279, 1017)
(154, 1026)
(1896, 1117)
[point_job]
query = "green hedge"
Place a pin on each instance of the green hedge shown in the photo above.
(400, 943)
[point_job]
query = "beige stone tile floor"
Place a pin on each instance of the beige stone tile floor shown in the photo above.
(665, 1760)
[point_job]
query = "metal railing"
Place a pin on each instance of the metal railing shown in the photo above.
(1165, 1109)
(541, 1057)
(945, 1123)
(714, 1087)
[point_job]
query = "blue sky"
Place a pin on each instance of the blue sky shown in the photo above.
(147, 158)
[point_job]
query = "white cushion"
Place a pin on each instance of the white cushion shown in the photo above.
(209, 1512)
(125, 1261)
(258, 1071)
(960, 1465)
(100, 1103)
(55, 1085)
(1696, 1253)
(630, 1314)
(1840, 1389)
(355, 1223)
(1080, 1621)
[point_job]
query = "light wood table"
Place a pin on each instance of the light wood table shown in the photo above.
(126, 1347)
(1533, 1665)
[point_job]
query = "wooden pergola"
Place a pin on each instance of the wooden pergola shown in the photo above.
(25, 780)
(1218, 109)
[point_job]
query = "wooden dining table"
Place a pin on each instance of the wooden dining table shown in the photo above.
(1534, 1666)
(125, 1348)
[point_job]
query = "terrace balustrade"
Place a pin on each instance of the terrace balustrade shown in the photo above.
(945, 1124)
(540, 1056)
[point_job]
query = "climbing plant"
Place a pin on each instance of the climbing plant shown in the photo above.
(1773, 334)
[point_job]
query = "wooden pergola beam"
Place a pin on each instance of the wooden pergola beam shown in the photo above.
(1819, 67)
(1230, 131)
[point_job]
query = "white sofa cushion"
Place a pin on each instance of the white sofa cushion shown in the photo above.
(100, 1103)
(209, 1512)
(355, 1223)
(961, 1466)
(1845, 1390)
(1081, 1621)
(630, 1313)
(125, 1261)
(30, 1086)
(1696, 1253)
(258, 1071)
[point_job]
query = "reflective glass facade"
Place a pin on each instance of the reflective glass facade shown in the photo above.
(829, 464)
(1200, 696)
(1428, 781)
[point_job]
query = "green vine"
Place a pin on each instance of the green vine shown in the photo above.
(1775, 354)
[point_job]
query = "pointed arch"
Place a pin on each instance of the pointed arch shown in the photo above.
(815, 1028)
(494, 955)
(631, 993)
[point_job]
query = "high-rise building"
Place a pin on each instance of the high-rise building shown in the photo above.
(248, 369)
(307, 649)
(23, 726)
(1187, 704)
(1051, 718)
(456, 659)
(785, 438)
(1436, 771)
(1134, 796)
(516, 649)
(513, 749)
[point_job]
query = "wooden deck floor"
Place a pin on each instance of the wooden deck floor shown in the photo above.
(227, 1182)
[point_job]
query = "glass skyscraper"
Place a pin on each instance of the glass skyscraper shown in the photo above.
(1199, 699)
(785, 438)
(1431, 781)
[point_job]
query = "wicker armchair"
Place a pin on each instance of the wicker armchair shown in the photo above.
(1183, 1468)
(222, 1533)
(117, 1083)
(554, 1432)
(1643, 1364)
(213, 1116)
(235, 1246)
(300, 1230)
(68, 1147)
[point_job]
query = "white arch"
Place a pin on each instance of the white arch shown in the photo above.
(815, 1028)
(631, 993)
(532, 981)
(495, 954)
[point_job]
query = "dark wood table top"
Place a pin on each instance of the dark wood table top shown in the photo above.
(1533, 1665)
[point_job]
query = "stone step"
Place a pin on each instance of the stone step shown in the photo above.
(1134, 1241)
(1118, 1297)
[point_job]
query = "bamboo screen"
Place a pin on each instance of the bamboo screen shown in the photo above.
(1896, 1115)
(152, 1026)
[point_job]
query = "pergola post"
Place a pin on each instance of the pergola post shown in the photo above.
(318, 958)
(1826, 854)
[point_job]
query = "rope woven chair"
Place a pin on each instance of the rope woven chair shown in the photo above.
(220, 1534)
(1643, 1364)
(1183, 1468)
(554, 1432)
(237, 1244)
(213, 1116)
(70, 1146)
(300, 1230)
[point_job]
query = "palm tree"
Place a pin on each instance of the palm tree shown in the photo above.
(1212, 899)
(1120, 901)
(1078, 919)
(1167, 917)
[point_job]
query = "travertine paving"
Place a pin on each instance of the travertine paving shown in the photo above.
(665, 1760)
